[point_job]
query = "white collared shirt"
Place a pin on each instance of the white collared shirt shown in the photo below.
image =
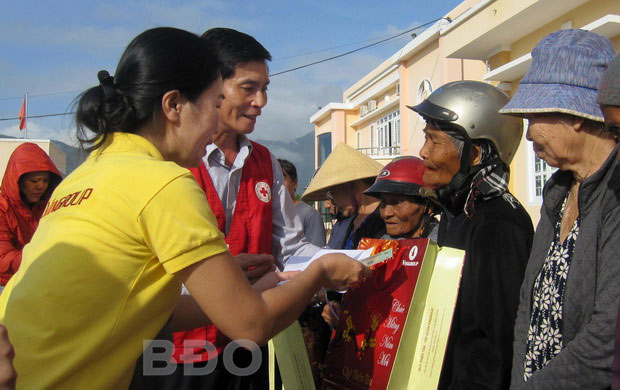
(288, 235)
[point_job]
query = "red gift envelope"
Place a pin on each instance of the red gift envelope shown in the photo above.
(393, 328)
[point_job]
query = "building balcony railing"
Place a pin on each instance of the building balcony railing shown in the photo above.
(381, 152)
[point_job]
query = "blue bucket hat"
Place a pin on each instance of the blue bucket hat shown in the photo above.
(566, 70)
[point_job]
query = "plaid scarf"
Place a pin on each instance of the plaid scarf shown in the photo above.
(489, 182)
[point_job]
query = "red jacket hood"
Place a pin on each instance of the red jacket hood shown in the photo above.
(27, 157)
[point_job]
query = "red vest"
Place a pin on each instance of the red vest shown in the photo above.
(250, 232)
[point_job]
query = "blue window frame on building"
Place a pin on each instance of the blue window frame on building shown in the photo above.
(324, 147)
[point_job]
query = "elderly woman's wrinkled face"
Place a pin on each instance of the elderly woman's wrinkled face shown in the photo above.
(403, 216)
(551, 138)
(441, 157)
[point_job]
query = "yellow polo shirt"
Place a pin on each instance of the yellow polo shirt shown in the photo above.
(98, 276)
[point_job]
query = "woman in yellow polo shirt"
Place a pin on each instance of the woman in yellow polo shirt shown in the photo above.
(104, 270)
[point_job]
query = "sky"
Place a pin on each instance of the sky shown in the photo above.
(53, 50)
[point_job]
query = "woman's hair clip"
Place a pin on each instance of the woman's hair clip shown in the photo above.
(107, 83)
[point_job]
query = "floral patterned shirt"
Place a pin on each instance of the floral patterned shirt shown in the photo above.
(544, 339)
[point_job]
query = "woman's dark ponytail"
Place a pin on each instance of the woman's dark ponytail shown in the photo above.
(102, 110)
(155, 62)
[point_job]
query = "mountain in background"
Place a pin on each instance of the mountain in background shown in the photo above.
(300, 152)
(75, 156)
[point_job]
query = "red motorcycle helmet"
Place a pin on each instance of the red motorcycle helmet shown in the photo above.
(402, 176)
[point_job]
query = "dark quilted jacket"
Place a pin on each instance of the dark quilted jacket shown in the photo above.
(592, 288)
(497, 241)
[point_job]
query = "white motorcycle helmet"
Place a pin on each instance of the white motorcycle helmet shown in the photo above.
(468, 110)
(472, 106)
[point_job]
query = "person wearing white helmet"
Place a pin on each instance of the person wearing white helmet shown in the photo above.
(467, 149)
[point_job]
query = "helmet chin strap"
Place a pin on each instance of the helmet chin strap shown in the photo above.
(445, 193)
(460, 177)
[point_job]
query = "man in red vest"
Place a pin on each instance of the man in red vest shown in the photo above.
(245, 189)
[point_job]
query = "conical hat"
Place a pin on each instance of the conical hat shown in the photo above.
(343, 165)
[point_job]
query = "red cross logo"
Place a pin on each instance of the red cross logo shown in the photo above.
(263, 191)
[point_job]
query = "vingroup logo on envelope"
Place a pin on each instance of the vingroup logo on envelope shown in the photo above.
(413, 253)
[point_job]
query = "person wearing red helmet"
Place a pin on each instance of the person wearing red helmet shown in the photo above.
(407, 205)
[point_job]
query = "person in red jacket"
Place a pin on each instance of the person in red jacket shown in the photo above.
(28, 182)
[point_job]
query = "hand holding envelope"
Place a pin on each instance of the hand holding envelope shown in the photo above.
(300, 263)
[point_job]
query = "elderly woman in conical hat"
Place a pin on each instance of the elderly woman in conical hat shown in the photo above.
(343, 178)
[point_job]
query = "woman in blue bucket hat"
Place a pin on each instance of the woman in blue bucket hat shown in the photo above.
(564, 332)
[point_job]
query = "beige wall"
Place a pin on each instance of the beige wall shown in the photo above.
(348, 118)
(489, 17)
(430, 63)
(323, 126)
(365, 136)
(7, 146)
(474, 69)
(58, 157)
(338, 122)
(580, 16)
(426, 64)
(462, 8)
(405, 113)
(370, 77)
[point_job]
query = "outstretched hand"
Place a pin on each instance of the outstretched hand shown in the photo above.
(255, 266)
(341, 271)
(271, 280)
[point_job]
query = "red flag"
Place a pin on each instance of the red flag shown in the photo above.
(22, 115)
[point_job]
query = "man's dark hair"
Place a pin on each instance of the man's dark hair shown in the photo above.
(289, 168)
(233, 48)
